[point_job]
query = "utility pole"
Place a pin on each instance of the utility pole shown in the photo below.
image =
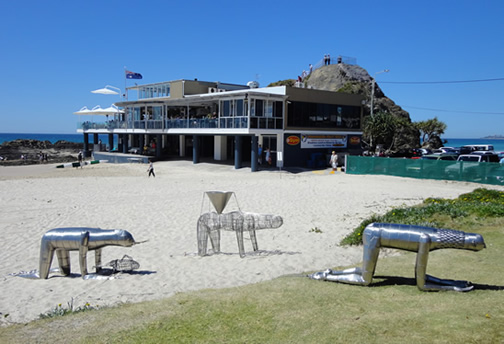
(373, 82)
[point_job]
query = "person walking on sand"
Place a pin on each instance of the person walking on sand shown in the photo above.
(79, 157)
(259, 154)
(334, 161)
(151, 169)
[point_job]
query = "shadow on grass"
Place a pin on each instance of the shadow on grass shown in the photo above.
(398, 280)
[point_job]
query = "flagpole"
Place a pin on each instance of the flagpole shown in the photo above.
(125, 90)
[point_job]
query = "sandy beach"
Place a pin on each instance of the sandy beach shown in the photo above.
(164, 210)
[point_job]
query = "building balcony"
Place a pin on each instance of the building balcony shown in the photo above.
(184, 123)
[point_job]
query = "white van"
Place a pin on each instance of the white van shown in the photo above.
(479, 157)
(479, 147)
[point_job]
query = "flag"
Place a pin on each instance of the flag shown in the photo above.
(132, 75)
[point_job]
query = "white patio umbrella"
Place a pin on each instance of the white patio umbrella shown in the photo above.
(98, 110)
(107, 90)
(83, 111)
(113, 110)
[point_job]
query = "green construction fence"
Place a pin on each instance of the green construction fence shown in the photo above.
(477, 172)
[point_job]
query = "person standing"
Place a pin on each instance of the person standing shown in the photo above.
(334, 161)
(151, 169)
(259, 154)
(268, 156)
(79, 157)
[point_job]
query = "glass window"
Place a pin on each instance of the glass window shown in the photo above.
(136, 114)
(239, 107)
(226, 108)
(269, 108)
(313, 115)
(156, 111)
(259, 107)
(277, 109)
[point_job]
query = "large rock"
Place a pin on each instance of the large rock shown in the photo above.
(61, 151)
(356, 80)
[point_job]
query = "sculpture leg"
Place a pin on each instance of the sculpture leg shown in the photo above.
(421, 261)
(253, 238)
(202, 233)
(359, 276)
(98, 256)
(239, 238)
(83, 250)
(63, 261)
(45, 260)
(215, 239)
(430, 283)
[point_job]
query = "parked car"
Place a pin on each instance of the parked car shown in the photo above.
(479, 147)
(496, 175)
(442, 156)
(479, 156)
(472, 167)
(419, 152)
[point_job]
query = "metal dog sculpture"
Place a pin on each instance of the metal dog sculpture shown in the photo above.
(410, 238)
(210, 224)
(82, 239)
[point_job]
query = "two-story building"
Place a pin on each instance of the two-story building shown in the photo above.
(220, 121)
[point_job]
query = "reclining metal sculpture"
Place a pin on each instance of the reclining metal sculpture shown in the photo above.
(410, 238)
(82, 239)
(210, 224)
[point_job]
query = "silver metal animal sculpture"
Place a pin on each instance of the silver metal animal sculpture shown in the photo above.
(82, 239)
(210, 224)
(410, 238)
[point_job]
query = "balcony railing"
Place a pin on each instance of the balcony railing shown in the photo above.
(181, 123)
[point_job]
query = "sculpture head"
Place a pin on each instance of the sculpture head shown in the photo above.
(124, 238)
(474, 242)
(276, 221)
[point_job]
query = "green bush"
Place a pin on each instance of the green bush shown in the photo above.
(438, 212)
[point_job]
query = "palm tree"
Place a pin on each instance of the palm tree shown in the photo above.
(380, 129)
(431, 128)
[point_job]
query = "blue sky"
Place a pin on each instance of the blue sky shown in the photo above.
(53, 53)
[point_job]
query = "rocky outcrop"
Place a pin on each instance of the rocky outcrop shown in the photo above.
(27, 152)
(356, 80)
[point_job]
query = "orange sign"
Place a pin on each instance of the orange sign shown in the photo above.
(293, 140)
(354, 140)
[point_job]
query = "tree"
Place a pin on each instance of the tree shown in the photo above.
(431, 129)
(394, 133)
(379, 129)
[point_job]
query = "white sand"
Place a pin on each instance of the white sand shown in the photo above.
(164, 210)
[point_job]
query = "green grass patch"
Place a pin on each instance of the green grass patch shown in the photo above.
(460, 213)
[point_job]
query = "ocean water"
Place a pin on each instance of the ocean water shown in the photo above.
(78, 138)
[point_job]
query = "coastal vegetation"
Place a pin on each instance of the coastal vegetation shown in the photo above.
(295, 309)
(481, 205)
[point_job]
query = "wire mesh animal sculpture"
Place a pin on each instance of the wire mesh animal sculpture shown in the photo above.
(210, 224)
(410, 238)
(82, 239)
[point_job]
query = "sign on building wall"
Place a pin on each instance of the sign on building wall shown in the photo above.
(323, 141)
